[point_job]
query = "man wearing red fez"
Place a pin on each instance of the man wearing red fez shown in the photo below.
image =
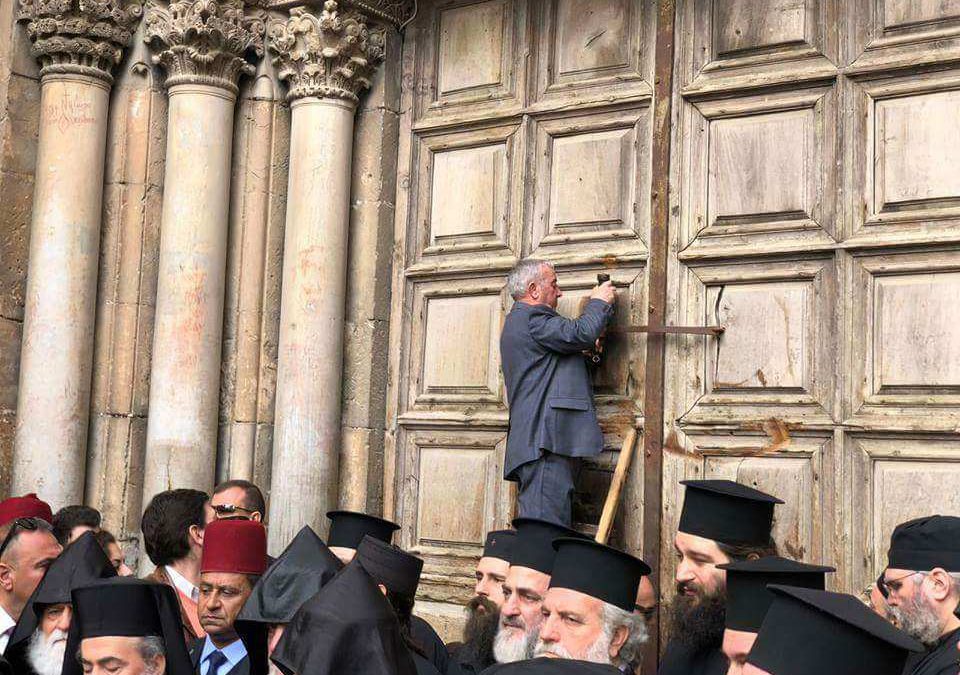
(27, 506)
(234, 557)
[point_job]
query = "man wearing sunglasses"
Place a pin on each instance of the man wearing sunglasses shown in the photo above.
(28, 548)
(238, 500)
(922, 587)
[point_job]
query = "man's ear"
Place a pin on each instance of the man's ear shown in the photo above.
(6, 577)
(383, 589)
(619, 638)
(942, 584)
(196, 535)
(257, 517)
(753, 556)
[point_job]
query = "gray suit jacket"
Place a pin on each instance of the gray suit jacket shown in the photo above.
(548, 386)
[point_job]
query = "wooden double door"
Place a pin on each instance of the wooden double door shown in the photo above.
(786, 169)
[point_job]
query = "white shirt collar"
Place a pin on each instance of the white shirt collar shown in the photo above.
(7, 624)
(183, 585)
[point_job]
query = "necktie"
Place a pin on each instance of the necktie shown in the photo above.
(214, 661)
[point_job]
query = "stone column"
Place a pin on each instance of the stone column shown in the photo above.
(77, 43)
(327, 60)
(201, 45)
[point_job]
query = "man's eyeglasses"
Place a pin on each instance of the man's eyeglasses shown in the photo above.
(232, 512)
(19, 525)
(885, 586)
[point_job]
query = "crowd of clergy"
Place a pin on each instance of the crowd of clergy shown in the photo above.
(547, 599)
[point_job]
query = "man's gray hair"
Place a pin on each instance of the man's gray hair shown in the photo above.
(613, 618)
(151, 648)
(523, 274)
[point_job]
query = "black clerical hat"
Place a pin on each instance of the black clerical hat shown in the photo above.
(303, 568)
(391, 566)
(348, 628)
(748, 597)
(728, 512)
(542, 666)
(80, 564)
(926, 543)
(347, 528)
(597, 570)
(533, 546)
(809, 631)
(499, 544)
(128, 607)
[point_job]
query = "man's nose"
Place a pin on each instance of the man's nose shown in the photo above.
(63, 623)
(510, 607)
(548, 630)
(481, 588)
(683, 572)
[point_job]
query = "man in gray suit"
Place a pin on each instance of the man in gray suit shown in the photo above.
(552, 419)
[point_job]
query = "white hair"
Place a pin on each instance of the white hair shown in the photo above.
(612, 618)
(615, 617)
(523, 274)
(45, 652)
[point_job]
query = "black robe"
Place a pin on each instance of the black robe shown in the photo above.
(463, 660)
(544, 666)
(941, 659)
(681, 660)
(347, 628)
(433, 647)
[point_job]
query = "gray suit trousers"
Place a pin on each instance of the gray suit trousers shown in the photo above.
(546, 488)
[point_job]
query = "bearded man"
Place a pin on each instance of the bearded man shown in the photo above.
(721, 522)
(39, 641)
(922, 581)
(525, 587)
(812, 632)
(588, 610)
(475, 653)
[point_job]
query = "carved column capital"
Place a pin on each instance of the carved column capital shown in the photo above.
(204, 41)
(84, 37)
(330, 55)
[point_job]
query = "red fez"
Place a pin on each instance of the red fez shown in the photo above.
(238, 546)
(27, 506)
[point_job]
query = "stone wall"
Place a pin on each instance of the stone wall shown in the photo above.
(19, 119)
(116, 464)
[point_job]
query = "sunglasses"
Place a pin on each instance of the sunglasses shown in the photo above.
(232, 512)
(19, 525)
(884, 586)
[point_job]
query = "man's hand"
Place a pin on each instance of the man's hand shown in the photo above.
(605, 292)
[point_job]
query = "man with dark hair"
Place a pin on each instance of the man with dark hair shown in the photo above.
(27, 549)
(234, 559)
(172, 527)
(72, 521)
(475, 653)
(721, 522)
(922, 581)
(111, 547)
(238, 499)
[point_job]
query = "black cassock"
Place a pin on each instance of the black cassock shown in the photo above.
(941, 660)
(433, 647)
(681, 660)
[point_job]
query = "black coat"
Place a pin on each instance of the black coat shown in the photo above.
(433, 647)
(680, 660)
(942, 659)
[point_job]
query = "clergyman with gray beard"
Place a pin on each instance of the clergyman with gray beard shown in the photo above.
(721, 522)
(922, 584)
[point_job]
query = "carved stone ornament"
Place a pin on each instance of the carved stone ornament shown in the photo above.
(85, 37)
(331, 55)
(204, 41)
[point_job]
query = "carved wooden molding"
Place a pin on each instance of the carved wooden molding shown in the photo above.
(330, 55)
(204, 41)
(84, 37)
